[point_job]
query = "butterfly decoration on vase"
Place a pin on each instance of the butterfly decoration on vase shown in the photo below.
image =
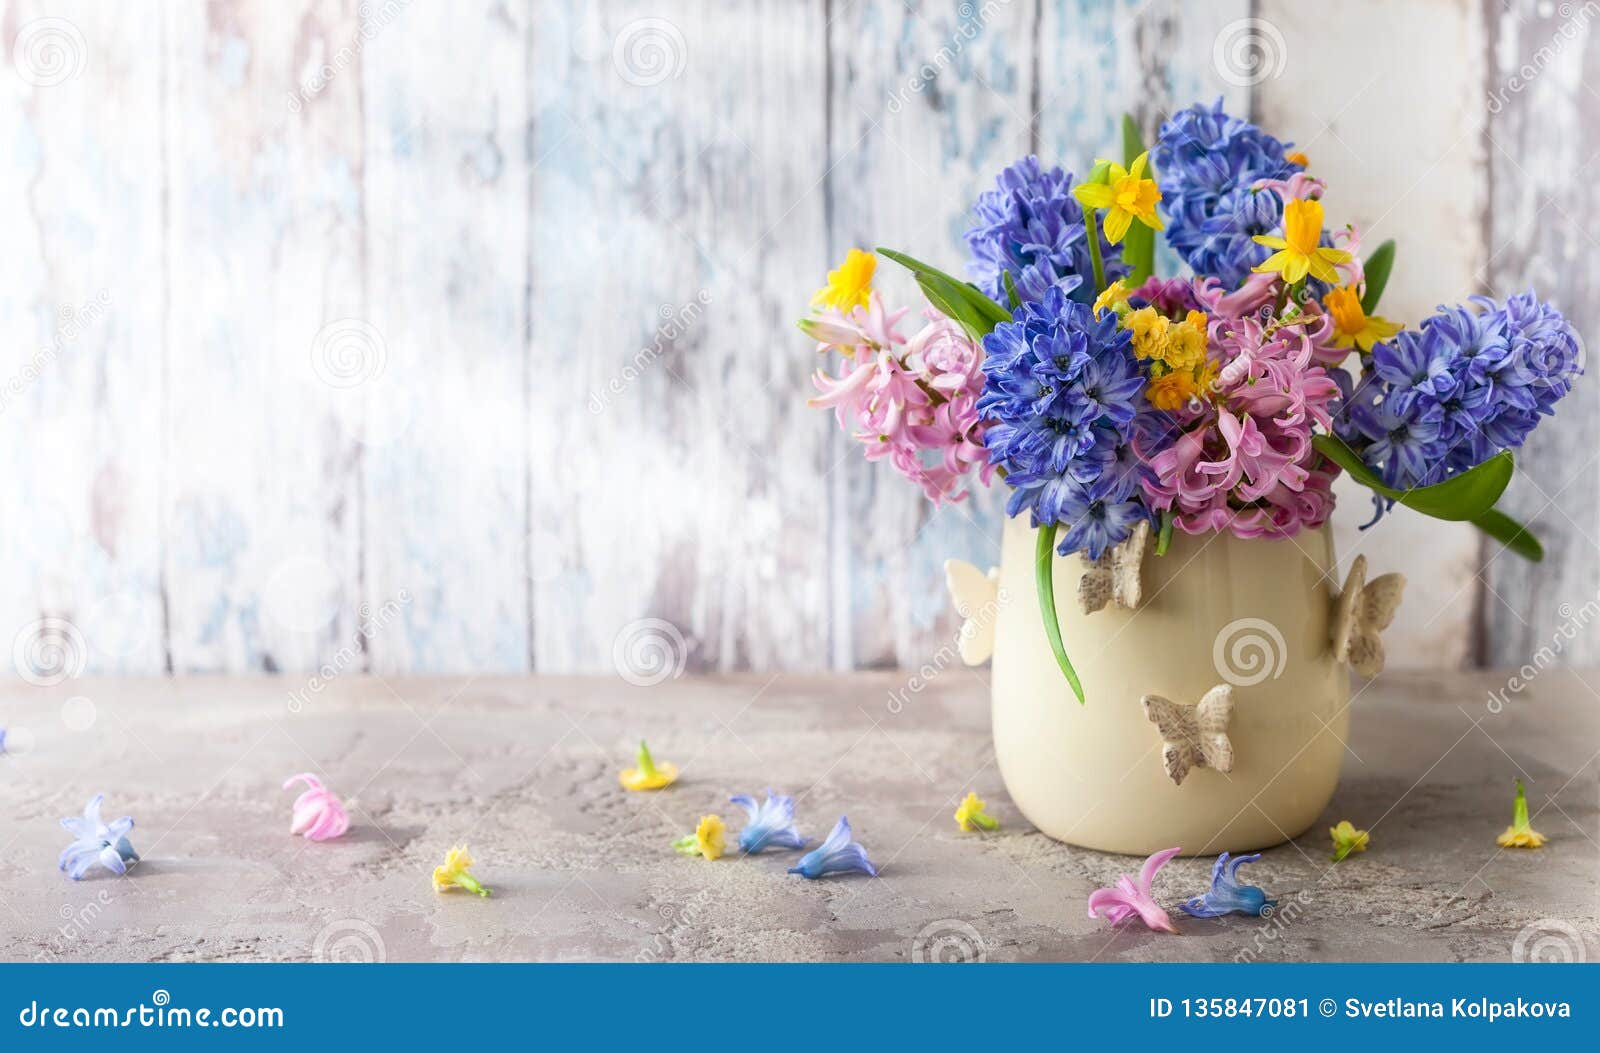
(1364, 609)
(1193, 736)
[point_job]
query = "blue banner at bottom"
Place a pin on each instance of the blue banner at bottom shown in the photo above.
(660, 1007)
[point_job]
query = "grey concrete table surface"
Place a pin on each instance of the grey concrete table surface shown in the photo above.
(525, 771)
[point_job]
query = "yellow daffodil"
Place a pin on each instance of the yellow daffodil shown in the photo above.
(708, 840)
(454, 873)
(1171, 391)
(1115, 295)
(970, 815)
(1125, 194)
(1347, 839)
(850, 285)
(1299, 250)
(1351, 324)
(1298, 158)
(648, 775)
(1519, 834)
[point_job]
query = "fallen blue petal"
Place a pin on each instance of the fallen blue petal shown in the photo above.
(837, 855)
(771, 823)
(1227, 896)
(97, 842)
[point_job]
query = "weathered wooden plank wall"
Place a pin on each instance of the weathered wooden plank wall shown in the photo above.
(1542, 137)
(408, 336)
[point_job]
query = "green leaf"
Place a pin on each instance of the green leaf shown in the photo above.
(955, 287)
(1139, 245)
(1461, 497)
(1044, 577)
(954, 306)
(1511, 533)
(1377, 270)
(1011, 291)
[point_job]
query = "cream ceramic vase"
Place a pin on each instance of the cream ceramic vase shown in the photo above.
(1254, 614)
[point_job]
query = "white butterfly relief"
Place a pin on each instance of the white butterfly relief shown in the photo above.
(1363, 610)
(1118, 575)
(1193, 736)
(978, 599)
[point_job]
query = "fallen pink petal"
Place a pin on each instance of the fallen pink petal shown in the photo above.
(318, 814)
(1131, 896)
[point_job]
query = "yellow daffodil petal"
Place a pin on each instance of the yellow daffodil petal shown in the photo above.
(1117, 224)
(1271, 241)
(1094, 195)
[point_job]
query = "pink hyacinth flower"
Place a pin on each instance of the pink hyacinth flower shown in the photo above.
(318, 814)
(1131, 896)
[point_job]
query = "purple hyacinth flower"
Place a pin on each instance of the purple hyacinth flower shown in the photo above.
(771, 823)
(1228, 896)
(837, 855)
(97, 842)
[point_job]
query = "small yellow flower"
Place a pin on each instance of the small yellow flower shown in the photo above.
(454, 873)
(1298, 158)
(1185, 346)
(1351, 325)
(709, 838)
(1347, 839)
(1171, 392)
(1149, 329)
(648, 775)
(711, 835)
(1519, 834)
(850, 285)
(970, 815)
(1115, 295)
(1126, 195)
(1299, 250)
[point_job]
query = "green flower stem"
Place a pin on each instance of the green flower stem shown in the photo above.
(1519, 809)
(647, 763)
(1164, 537)
(470, 883)
(985, 822)
(1091, 224)
(1044, 577)
(686, 845)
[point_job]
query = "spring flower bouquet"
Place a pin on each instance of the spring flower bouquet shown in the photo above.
(1118, 405)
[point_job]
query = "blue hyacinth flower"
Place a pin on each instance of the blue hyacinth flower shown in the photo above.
(1227, 896)
(837, 855)
(97, 842)
(771, 823)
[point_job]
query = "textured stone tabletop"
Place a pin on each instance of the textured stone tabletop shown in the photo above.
(525, 771)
